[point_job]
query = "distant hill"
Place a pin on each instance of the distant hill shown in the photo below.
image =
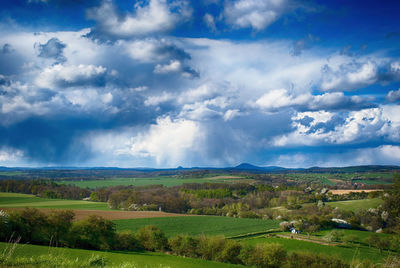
(247, 166)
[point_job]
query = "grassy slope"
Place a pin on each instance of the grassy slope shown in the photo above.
(145, 259)
(361, 235)
(355, 205)
(345, 252)
(12, 200)
(166, 181)
(196, 225)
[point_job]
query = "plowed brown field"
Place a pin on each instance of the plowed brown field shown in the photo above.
(112, 215)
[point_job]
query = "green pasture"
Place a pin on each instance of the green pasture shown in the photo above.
(355, 205)
(347, 253)
(113, 259)
(197, 225)
(166, 181)
(361, 235)
(14, 200)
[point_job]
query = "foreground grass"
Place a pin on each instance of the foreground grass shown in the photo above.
(166, 181)
(81, 258)
(14, 200)
(345, 252)
(355, 205)
(197, 225)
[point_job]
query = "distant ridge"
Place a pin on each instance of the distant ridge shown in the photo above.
(247, 166)
(243, 167)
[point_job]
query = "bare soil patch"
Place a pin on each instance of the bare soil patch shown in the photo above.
(340, 192)
(112, 215)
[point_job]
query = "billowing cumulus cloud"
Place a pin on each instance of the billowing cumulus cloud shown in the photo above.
(393, 95)
(137, 86)
(256, 14)
(280, 98)
(156, 16)
(70, 76)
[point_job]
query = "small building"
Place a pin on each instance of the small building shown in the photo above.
(294, 231)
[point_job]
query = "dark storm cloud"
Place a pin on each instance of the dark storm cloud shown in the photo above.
(7, 48)
(48, 140)
(52, 49)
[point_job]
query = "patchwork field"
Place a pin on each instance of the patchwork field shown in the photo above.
(369, 178)
(126, 259)
(197, 225)
(14, 200)
(355, 205)
(166, 181)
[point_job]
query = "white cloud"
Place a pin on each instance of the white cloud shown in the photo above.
(256, 14)
(174, 66)
(66, 76)
(155, 17)
(319, 128)
(10, 156)
(168, 141)
(280, 98)
(393, 95)
(231, 114)
(158, 99)
(350, 76)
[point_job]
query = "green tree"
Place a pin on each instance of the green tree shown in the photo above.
(152, 238)
(59, 225)
(94, 233)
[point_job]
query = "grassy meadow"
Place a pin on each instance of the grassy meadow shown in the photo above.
(163, 180)
(80, 257)
(15, 200)
(355, 205)
(197, 225)
(347, 253)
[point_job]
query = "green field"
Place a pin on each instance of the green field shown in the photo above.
(355, 205)
(14, 200)
(344, 252)
(166, 181)
(197, 225)
(361, 235)
(125, 259)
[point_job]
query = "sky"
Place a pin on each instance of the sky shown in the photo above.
(167, 83)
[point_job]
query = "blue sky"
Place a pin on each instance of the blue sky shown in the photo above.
(163, 83)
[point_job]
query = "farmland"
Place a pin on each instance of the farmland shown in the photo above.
(163, 180)
(128, 259)
(15, 200)
(354, 205)
(197, 225)
(345, 252)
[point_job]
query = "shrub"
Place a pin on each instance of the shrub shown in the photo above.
(184, 245)
(152, 238)
(210, 247)
(230, 252)
(264, 255)
(127, 240)
(94, 233)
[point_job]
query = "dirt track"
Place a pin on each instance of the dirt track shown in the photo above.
(112, 214)
(340, 192)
